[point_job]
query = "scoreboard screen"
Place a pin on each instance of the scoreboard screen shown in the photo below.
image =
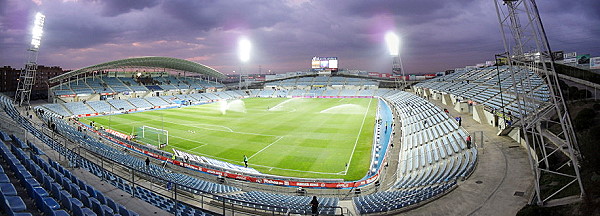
(324, 63)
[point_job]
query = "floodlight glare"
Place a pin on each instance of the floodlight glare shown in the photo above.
(38, 30)
(244, 47)
(393, 43)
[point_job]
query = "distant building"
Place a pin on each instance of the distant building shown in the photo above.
(9, 79)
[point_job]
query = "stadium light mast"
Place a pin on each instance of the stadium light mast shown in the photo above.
(244, 47)
(393, 44)
(528, 51)
(27, 76)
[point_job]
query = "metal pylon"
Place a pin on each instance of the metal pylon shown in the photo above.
(27, 76)
(527, 52)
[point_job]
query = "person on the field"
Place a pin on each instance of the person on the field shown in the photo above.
(245, 161)
(314, 203)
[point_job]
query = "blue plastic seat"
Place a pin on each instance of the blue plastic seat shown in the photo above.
(123, 211)
(96, 205)
(8, 189)
(106, 210)
(49, 205)
(60, 213)
(65, 201)
(15, 203)
(110, 203)
(4, 178)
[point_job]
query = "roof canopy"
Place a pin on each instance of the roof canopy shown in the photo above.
(156, 62)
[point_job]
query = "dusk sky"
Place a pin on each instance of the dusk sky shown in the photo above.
(436, 35)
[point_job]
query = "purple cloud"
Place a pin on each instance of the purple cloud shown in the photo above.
(436, 34)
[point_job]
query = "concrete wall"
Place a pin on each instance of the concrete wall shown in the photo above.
(491, 118)
(478, 114)
(462, 107)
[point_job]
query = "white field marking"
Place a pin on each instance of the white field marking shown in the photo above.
(225, 127)
(358, 135)
(258, 165)
(282, 103)
(265, 147)
(198, 147)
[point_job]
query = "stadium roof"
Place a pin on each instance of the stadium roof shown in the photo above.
(157, 62)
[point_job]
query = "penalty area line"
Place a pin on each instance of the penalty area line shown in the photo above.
(265, 148)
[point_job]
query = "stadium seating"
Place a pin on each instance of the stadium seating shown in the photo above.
(433, 156)
(491, 87)
(78, 108)
(392, 200)
(53, 189)
(157, 101)
(284, 203)
(140, 103)
(101, 106)
(58, 109)
(121, 104)
(81, 199)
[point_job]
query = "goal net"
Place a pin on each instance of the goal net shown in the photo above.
(152, 136)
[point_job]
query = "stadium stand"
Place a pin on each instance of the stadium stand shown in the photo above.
(53, 189)
(140, 103)
(78, 108)
(286, 203)
(87, 201)
(433, 156)
(156, 101)
(101, 106)
(491, 87)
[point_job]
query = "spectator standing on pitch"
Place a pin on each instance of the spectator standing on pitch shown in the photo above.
(469, 141)
(314, 203)
(245, 161)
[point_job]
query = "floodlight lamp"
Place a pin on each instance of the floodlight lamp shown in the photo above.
(38, 30)
(393, 43)
(244, 47)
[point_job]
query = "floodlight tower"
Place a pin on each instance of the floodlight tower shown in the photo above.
(244, 47)
(393, 44)
(27, 76)
(528, 51)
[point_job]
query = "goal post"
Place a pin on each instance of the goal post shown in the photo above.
(152, 136)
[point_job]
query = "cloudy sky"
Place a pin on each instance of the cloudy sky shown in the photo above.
(436, 34)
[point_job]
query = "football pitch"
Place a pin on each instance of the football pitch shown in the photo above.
(299, 137)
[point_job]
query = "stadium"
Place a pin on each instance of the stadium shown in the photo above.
(159, 135)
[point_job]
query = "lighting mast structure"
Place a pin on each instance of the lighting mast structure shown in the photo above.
(528, 51)
(27, 76)
(393, 44)
(244, 47)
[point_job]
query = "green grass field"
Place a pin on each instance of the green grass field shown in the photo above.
(312, 138)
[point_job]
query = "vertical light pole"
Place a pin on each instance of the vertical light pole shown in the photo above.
(27, 76)
(244, 47)
(393, 44)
